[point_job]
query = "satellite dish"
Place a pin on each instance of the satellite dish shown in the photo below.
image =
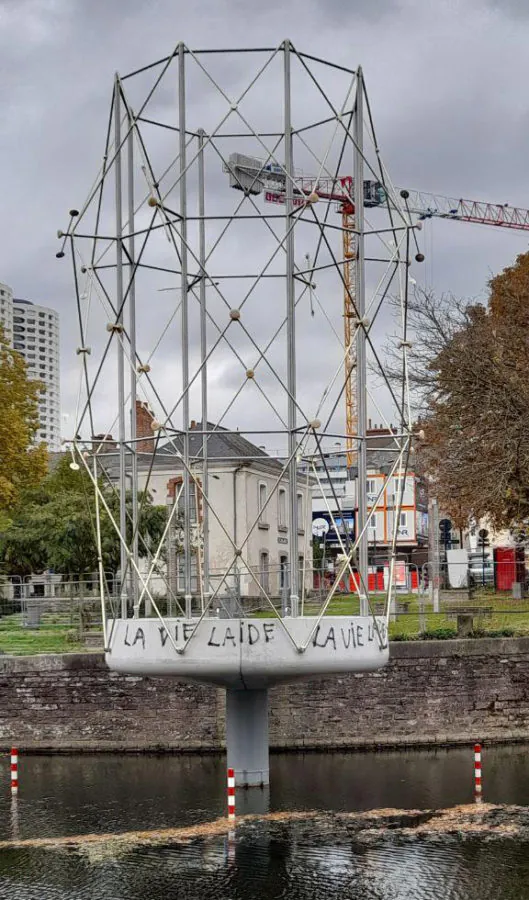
(320, 527)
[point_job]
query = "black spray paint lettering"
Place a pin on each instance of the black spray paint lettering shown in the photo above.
(229, 636)
(330, 637)
(139, 636)
(163, 635)
(211, 642)
(253, 634)
(247, 632)
(360, 635)
(351, 637)
(268, 632)
(347, 637)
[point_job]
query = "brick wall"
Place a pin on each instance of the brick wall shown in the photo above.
(431, 693)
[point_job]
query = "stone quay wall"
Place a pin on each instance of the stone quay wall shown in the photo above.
(433, 693)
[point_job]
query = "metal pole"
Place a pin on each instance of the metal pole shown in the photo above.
(184, 325)
(433, 529)
(133, 391)
(291, 339)
(203, 361)
(120, 351)
(100, 558)
(361, 370)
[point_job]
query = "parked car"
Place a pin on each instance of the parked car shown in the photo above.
(481, 572)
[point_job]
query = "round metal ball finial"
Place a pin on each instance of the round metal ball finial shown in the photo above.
(235, 315)
(250, 373)
(60, 254)
(74, 213)
(152, 201)
(404, 194)
(419, 257)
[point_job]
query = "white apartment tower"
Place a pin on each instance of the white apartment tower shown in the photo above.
(6, 311)
(36, 337)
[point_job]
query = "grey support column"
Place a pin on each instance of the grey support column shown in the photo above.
(120, 352)
(133, 388)
(247, 736)
(184, 324)
(361, 368)
(203, 362)
(291, 341)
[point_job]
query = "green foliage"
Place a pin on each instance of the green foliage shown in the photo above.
(53, 526)
(476, 427)
(438, 634)
(495, 632)
(21, 463)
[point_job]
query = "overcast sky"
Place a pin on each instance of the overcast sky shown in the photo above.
(447, 81)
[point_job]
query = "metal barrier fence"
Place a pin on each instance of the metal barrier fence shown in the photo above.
(429, 601)
(52, 602)
(508, 577)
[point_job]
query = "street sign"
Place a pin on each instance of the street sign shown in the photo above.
(483, 537)
(320, 527)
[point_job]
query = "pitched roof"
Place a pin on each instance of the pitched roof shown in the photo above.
(224, 448)
(221, 444)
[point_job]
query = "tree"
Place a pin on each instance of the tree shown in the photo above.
(53, 526)
(473, 390)
(21, 462)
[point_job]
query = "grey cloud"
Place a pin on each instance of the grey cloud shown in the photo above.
(446, 83)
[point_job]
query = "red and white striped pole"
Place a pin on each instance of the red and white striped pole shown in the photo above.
(231, 794)
(14, 771)
(477, 773)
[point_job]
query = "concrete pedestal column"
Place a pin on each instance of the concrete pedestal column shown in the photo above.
(247, 736)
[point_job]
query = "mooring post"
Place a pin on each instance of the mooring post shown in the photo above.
(14, 771)
(247, 736)
(477, 773)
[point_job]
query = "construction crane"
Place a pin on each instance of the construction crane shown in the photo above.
(256, 176)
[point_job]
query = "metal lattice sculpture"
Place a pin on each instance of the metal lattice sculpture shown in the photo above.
(223, 172)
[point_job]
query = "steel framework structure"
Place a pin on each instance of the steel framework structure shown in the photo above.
(158, 210)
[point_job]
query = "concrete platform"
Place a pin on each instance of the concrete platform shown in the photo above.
(248, 653)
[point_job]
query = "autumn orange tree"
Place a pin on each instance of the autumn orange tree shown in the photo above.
(474, 386)
(21, 462)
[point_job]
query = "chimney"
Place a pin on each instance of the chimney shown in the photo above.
(103, 443)
(144, 432)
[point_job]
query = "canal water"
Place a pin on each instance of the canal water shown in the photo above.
(72, 795)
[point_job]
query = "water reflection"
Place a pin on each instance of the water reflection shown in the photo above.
(73, 795)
